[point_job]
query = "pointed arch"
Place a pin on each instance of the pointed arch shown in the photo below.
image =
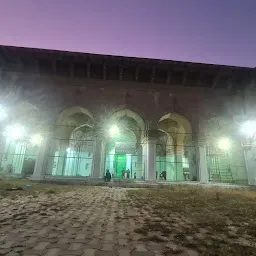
(129, 113)
(69, 112)
(182, 122)
(179, 127)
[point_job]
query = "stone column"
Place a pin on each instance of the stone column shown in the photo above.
(179, 166)
(179, 159)
(150, 148)
(201, 139)
(203, 171)
(192, 151)
(250, 162)
(41, 160)
(140, 166)
(98, 159)
(50, 161)
(145, 157)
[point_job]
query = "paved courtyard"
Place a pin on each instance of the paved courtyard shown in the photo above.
(85, 221)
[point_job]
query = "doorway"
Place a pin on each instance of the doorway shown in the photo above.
(119, 165)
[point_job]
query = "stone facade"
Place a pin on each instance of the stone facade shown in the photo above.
(67, 95)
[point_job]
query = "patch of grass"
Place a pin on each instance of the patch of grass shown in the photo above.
(189, 210)
(156, 226)
(51, 191)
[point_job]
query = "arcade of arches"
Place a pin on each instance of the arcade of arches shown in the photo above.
(82, 145)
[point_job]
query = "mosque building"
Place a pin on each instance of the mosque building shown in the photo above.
(68, 115)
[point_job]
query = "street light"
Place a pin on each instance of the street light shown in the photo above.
(14, 132)
(114, 130)
(224, 144)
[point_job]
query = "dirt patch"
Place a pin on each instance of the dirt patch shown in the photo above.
(208, 221)
(13, 188)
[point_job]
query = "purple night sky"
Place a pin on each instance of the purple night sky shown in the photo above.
(208, 31)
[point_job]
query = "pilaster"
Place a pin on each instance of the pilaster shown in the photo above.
(203, 171)
(40, 165)
(98, 159)
(192, 152)
(149, 151)
(179, 166)
(250, 162)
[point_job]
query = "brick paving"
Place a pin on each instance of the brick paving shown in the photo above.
(90, 221)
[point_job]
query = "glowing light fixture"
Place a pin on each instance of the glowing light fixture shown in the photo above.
(224, 143)
(15, 132)
(36, 139)
(3, 113)
(68, 150)
(114, 130)
(248, 128)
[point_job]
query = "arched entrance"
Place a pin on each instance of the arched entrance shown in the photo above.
(21, 141)
(224, 165)
(73, 143)
(175, 156)
(124, 157)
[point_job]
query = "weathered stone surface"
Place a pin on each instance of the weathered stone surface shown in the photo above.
(124, 252)
(41, 246)
(104, 253)
(53, 252)
(140, 248)
(80, 222)
(89, 252)
(107, 247)
(145, 253)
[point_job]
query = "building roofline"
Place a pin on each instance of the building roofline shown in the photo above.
(119, 57)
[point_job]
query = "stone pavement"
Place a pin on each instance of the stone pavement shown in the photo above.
(89, 221)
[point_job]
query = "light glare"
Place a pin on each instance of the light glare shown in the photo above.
(248, 128)
(3, 113)
(114, 130)
(36, 139)
(224, 143)
(15, 132)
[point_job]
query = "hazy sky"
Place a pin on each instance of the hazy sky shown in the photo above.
(210, 31)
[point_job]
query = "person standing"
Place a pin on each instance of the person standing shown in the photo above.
(123, 173)
(128, 174)
(108, 176)
(164, 175)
